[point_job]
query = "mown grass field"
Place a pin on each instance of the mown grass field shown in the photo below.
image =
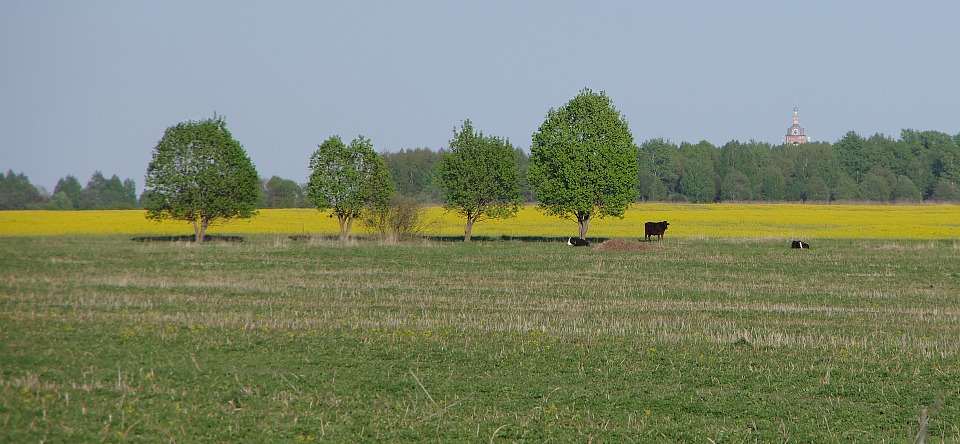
(723, 338)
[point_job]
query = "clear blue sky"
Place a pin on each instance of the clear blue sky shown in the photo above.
(92, 85)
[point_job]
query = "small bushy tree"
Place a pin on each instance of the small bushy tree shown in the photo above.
(348, 180)
(401, 220)
(479, 177)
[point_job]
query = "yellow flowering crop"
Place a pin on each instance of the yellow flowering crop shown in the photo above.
(134, 222)
(779, 221)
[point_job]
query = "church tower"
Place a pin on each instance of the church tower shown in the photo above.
(795, 134)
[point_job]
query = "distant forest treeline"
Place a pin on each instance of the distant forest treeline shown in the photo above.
(919, 166)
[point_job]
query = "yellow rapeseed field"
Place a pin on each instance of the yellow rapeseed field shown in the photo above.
(777, 221)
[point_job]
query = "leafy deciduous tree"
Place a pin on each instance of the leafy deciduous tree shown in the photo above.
(479, 177)
(348, 180)
(736, 186)
(876, 185)
(905, 190)
(816, 189)
(845, 190)
(583, 162)
(201, 175)
(71, 189)
(698, 180)
(773, 183)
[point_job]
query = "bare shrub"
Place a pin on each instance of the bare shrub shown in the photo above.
(401, 220)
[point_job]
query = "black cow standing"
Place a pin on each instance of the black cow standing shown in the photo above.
(654, 229)
(799, 244)
(577, 242)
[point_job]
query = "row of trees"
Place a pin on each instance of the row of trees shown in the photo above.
(917, 166)
(100, 193)
(583, 165)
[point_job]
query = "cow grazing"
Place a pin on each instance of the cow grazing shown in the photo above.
(654, 229)
(577, 242)
(799, 244)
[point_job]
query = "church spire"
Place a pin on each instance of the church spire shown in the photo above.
(795, 134)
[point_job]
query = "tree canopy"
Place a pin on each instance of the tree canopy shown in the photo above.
(583, 162)
(66, 194)
(198, 173)
(479, 177)
(348, 180)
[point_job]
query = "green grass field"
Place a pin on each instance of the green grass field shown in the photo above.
(274, 340)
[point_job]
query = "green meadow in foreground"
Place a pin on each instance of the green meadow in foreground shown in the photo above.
(276, 340)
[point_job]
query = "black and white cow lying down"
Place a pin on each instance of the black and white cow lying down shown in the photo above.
(577, 242)
(799, 244)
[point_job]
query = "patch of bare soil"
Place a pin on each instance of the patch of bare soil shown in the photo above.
(625, 245)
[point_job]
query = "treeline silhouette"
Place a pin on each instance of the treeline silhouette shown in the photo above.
(100, 193)
(918, 166)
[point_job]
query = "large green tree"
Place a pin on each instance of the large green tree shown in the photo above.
(348, 180)
(479, 177)
(201, 175)
(583, 161)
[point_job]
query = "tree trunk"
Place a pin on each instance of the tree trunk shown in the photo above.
(468, 229)
(344, 227)
(583, 223)
(200, 229)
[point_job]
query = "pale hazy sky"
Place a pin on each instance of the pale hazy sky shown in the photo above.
(92, 85)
